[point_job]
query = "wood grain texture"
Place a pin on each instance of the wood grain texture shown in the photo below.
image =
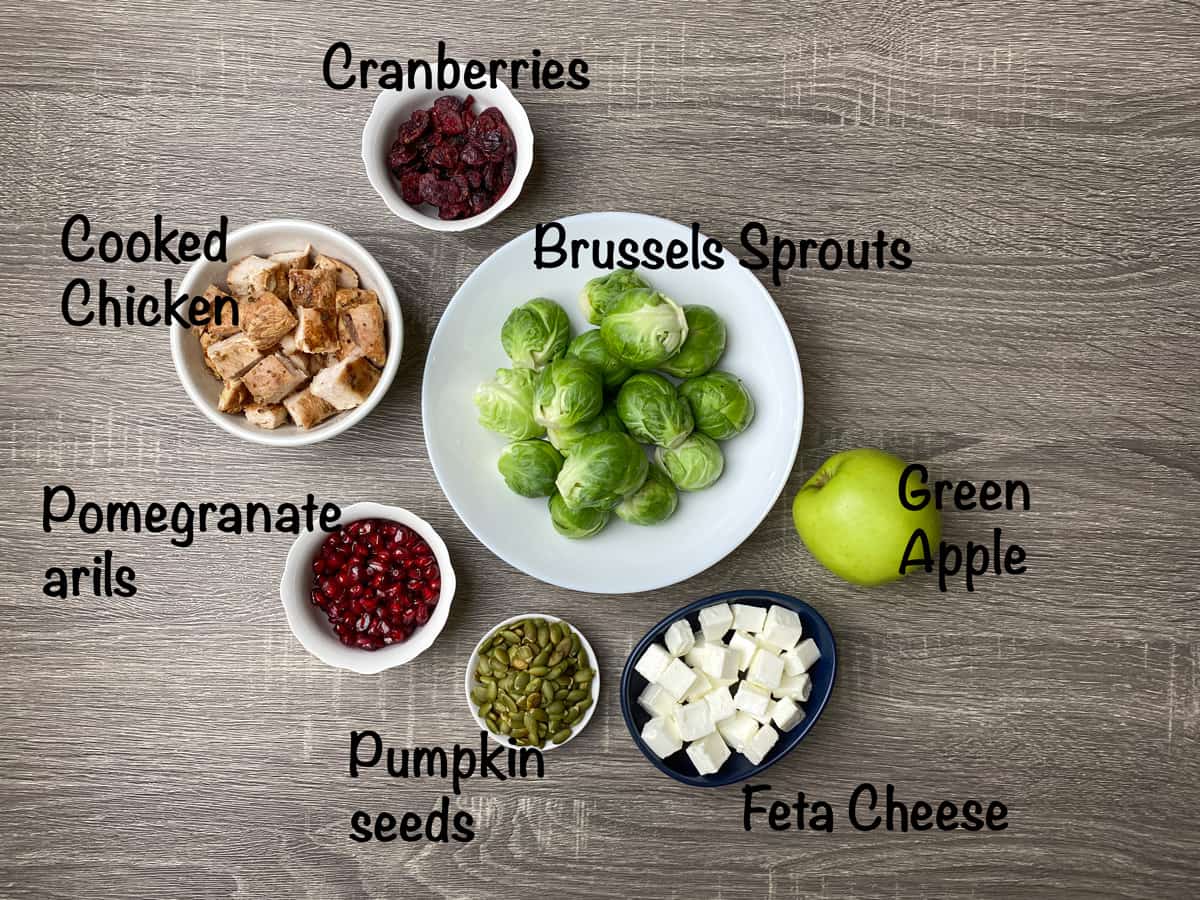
(1043, 159)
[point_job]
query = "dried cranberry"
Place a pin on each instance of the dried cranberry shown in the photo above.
(444, 155)
(416, 126)
(447, 115)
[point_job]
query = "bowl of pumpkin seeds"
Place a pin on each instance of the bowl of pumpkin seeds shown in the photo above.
(533, 682)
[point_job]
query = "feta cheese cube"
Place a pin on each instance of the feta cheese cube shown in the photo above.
(795, 687)
(744, 646)
(738, 730)
(792, 663)
(715, 620)
(782, 629)
(677, 679)
(807, 653)
(708, 754)
(787, 714)
(752, 699)
(692, 657)
(766, 669)
(662, 737)
(679, 638)
(653, 662)
(748, 618)
(702, 686)
(718, 661)
(760, 745)
(655, 700)
(694, 721)
(720, 704)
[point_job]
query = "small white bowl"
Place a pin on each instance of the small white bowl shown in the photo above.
(393, 108)
(474, 660)
(263, 238)
(310, 625)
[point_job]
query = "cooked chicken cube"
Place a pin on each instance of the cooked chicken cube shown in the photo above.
(307, 409)
(266, 319)
(347, 384)
(293, 259)
(348, 297)
(314, 288)
(232, 356)
(315, 331)
(360, 329)
(266, 415)
(234, 397)
(274, 378)
(305, 362)
(346, 276)
(254, 275)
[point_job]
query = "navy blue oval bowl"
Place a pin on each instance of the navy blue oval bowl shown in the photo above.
(737, 767)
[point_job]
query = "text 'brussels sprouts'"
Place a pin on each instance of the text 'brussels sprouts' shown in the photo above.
(720, 404)
(566, 439)
(693, 465)
(655, 501)
(506, 404)
(568, 391)
(530, 468)
(653, 411)
(590, 347)
(704, 345)
(601, 470)
(601, 294)
(576, 523)
(644, 329)
(536, 333)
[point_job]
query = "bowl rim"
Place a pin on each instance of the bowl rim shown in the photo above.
(468, 681)
(375, 140)
(354, 659)
(339, 424)
(813, 707)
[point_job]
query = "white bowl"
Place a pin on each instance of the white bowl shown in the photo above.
(623, 558)
(310, 625)
(263, 238)
(392, 108)
(470, 681)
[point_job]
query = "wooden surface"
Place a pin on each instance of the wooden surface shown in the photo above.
(1043, 161)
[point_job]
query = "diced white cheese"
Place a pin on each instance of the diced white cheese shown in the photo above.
(679, 638)
(702, 686)
(694, 721)
(795, 687)
(760, 745)
(718, 661)
(653, 662)
(752, 699)
(662, 737)
(766, 669)
(792, 664)
(807, 653)
(677, 678)
(656, 701)
(782, 629)
(708, 754)
(715, 620)
(749, 618)
(720, 704)
(692, 656)
(738, 730)
(744, 646)
(787, 714)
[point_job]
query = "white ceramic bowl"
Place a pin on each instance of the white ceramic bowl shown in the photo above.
(392, 108)
(470, 680)
(311, 627)
(623, 558)
(263, 238)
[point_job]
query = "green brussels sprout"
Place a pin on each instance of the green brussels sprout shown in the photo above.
(704, 345)
(655, 501)
(506, 404)
(530, 467)
(720, 403)
(603, 468)
(536, 333)
(576, 523)
(693, 465)
(653, 411)
(590, 347)
(568, 391)
(600, 294)
(565, 439)
(644, 329)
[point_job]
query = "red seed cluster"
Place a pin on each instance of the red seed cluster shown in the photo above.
(377, 581)
(453, 159)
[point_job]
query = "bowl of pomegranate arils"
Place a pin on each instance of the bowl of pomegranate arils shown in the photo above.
(371, 594)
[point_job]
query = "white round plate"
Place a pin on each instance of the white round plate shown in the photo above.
(623, 558)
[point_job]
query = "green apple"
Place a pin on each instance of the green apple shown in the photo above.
(850, 517)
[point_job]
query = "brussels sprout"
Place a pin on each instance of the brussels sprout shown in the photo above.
(565, 439)
(653, 411)
(506, 404)
(576, 523)
(590, 347)
(602, 469)
(536, 333)
(600, 294)
(720, 403)
(693, 465)
(644, 329)
(530, 467)
(704, 345)
(568, 391)
(653, 502)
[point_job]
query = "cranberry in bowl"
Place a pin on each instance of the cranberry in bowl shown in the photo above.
(372, 594)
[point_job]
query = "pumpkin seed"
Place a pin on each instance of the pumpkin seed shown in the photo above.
(561, 736)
